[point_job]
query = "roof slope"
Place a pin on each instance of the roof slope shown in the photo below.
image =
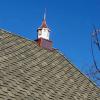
(28, 72)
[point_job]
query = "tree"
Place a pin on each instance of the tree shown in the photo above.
(95, 52)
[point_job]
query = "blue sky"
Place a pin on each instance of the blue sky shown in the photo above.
(71, 22)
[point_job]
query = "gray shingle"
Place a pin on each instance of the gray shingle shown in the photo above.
(28, 72)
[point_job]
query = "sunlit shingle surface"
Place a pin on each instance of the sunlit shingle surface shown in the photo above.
(28, 72)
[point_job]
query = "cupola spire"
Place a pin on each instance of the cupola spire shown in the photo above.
(44, 25)
(43, 31)
(45, 15)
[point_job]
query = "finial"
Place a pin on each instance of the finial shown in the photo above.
(45, 14)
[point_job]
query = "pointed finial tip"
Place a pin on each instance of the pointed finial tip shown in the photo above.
(45, 14)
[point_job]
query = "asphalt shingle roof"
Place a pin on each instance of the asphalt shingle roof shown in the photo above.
(29, 72)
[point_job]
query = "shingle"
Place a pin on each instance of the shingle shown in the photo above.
(29, 72)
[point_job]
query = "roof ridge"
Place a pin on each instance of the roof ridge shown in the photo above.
(14, 34)
(77, 69)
